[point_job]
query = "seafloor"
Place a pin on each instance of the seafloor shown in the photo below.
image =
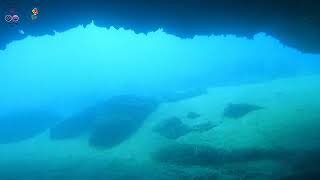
(288, 123)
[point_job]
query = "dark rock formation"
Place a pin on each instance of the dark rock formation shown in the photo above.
(305, 165)
(193, 115)
(78, 123)
(312, 175)
(110, 122)
(173, 128)
(294, 22)
(202, 155)
(114, 131)
(74, 126)
(239, 110)
(306, 160)
(122, 117)
(22, 125)
(203, 127)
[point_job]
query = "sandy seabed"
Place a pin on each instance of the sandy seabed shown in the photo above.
(290, 120)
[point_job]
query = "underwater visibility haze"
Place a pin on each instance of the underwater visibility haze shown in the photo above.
(107, 103)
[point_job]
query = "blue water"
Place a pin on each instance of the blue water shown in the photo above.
(71, 75)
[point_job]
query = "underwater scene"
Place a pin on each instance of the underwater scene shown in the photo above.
(113, 104)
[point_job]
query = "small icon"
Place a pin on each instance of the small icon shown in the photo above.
(8, 18)
(15, 18)
(35, 11)
(33, 17)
